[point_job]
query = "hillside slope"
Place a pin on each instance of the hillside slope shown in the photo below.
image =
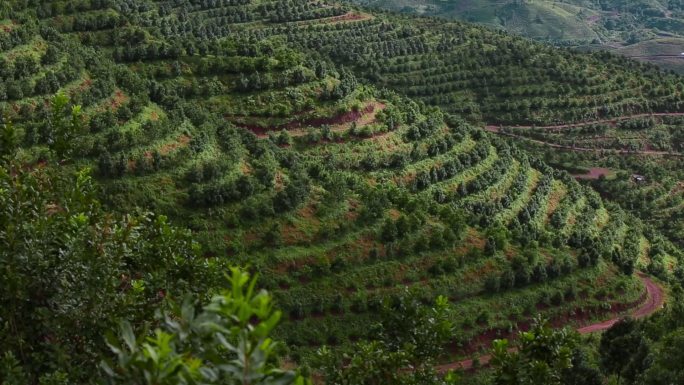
(647, 30)
(254, 124)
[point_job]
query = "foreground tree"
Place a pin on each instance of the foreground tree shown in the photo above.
(648, 351)
(69, 270)
(227, 342)
(623, 350)
(411, 337)
(541, 356)
(666, 364)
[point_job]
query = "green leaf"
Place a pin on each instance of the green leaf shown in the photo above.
(128, 335)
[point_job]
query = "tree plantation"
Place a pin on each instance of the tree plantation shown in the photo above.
(294, 192)
(647, 30)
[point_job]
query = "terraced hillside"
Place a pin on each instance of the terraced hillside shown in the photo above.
(647, 30)
(655, 134)
(253, 123)
(634, 160)
(547, 20)
(466, 70)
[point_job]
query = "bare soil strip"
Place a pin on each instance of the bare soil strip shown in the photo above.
(594, 173)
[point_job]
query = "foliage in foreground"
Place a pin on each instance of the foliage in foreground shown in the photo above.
(647, 352)
(410, 338)
(69, 271)
(227, 342)
(542, 355)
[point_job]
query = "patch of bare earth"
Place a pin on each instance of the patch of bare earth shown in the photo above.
(340, 123)
(594, 173)
(473, 240)
(114, 102)
(291, 235)
(7, 28)
(182, 141)
(353, 213)
(394, 214)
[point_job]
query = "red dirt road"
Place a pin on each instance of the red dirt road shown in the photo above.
(654, 301)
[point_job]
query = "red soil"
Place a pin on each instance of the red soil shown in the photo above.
(8, 27)
(85, 84)
(183, 140)
(291, 235)
(113, 103)
(364, 120)
(118, 100)
(346, 117)
(594, 173)
(654, 301)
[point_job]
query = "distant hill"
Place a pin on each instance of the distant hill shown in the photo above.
(648, 30)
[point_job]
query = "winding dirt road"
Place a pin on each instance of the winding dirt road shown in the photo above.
(655, 298)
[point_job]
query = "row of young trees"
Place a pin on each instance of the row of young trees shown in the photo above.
(94, 269)
(375, 43)
(74, 273)
(409, 335)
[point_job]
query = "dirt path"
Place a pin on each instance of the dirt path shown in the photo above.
(654, 301)
(581, 124)
(496, 130)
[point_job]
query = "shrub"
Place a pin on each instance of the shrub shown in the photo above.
(557, 298)
(483, 317)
